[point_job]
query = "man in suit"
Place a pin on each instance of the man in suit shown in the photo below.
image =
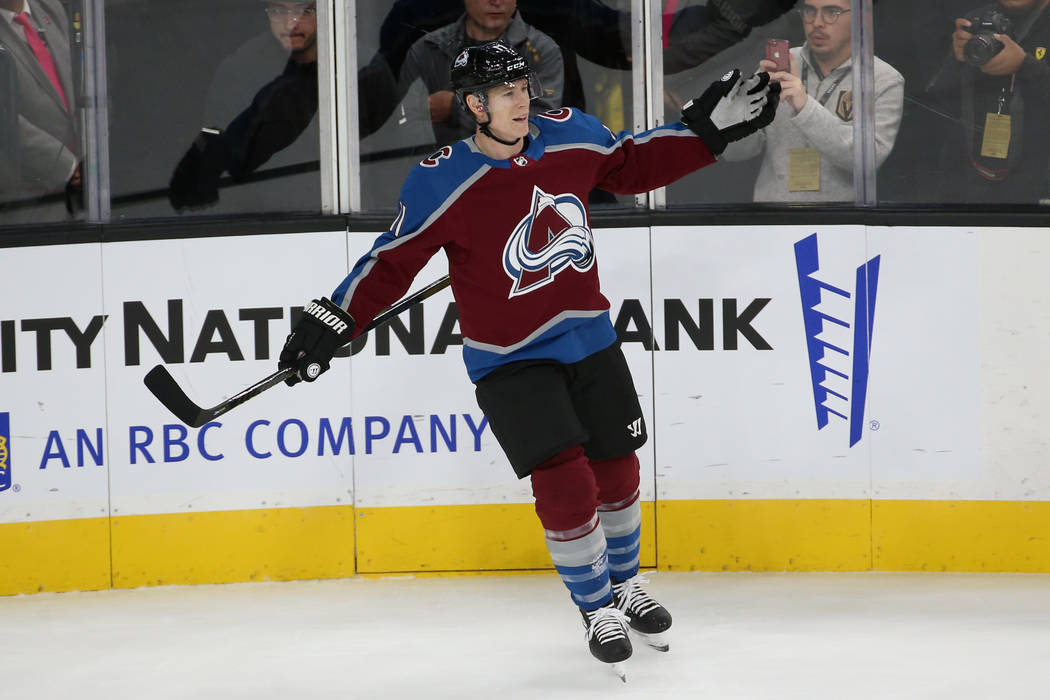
(35, 35)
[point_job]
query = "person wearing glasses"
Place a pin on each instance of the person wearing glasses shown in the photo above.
(261, 109)
(807, 152)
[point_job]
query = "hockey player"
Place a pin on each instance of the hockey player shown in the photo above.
(508, 207)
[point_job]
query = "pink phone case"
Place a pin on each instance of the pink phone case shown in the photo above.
(778, 51)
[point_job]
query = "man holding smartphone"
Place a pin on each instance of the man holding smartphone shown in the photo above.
(807, 152)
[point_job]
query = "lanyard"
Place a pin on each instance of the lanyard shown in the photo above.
(830, 91)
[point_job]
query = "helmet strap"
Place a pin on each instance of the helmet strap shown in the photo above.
(484, 126)
(488, 132)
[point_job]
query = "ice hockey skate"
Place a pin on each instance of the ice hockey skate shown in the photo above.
(647, 618)
(607, 637)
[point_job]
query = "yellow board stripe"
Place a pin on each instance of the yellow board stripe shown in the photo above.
(961, 536)
(462, 538)
(278, 544)
(55, 556)
(709, 535)
(764, 535)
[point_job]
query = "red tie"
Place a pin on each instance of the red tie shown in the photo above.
(43, 56)
(668, 18)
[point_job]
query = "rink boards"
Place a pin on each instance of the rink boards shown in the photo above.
(818, 398)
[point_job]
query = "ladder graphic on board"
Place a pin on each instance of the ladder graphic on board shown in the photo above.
(838, 328)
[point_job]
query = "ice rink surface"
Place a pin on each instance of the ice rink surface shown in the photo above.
(735, 635)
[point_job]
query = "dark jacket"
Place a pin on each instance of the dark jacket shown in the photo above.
(969, 95)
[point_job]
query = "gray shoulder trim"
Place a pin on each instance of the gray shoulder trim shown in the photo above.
(507, 349)
(401, 240)
(657, 133)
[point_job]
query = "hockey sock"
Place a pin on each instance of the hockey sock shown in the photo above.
(566, 496)
(620, 513)
(623, 535)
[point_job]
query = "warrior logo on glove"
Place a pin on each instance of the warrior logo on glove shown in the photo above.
(310, 347)
(327, 317)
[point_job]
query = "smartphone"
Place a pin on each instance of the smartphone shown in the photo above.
(778, 51)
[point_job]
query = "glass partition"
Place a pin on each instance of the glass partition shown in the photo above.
(807, 155)
(142, 109)
(41, 112)
(579, 50)
(976, 126)
(212, 107)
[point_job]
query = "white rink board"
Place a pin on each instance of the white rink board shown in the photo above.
(429, 386)
(1014, 317)
(225, 274)
(956, 407)
(742, 423)
(925, 393)
(50, 478)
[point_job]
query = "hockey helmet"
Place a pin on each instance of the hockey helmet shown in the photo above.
(478, 68)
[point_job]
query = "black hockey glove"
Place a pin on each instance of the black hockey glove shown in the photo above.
(731, 109)
(195, 182)
(310, 347)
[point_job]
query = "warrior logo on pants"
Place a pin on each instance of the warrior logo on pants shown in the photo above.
(553, 237)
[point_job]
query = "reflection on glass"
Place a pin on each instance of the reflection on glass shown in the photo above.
(807, 152)
(977, 124)
(579, 49)
(40, 156)
(241, 132)
(700, 44)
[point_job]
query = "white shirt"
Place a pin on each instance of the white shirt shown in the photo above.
(10, 17)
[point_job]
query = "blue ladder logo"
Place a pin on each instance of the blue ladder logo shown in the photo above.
(5, 451)
(838, 337)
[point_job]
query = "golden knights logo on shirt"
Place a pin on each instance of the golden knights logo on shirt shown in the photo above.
(552, 238)
(844, 108)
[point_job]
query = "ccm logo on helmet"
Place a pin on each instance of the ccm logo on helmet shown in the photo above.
(326, 317)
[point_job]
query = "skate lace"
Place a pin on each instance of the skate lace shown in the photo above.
(607, 624)
(632, 597)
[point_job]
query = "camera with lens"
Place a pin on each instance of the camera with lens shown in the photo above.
(985, 23)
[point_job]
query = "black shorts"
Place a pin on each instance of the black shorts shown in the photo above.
(538, 408)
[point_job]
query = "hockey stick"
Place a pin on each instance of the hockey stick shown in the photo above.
(166, 389)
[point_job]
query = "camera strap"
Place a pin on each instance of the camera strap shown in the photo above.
(1026, 26)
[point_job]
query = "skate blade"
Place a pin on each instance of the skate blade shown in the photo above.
(619, 670)
(657, 641)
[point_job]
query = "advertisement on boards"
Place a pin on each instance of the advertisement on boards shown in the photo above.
(808, 373)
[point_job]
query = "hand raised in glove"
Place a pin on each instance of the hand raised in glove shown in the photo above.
(731, 109)
(195, 182)
(310, 347)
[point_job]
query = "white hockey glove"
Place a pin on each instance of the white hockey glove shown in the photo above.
(731, 109)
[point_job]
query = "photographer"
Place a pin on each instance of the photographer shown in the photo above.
(996, 84)
(807, 152)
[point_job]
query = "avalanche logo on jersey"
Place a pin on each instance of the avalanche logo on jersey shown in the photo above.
(552, 238)
(435, 158)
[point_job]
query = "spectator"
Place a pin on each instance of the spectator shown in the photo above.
(589, 29)
(35, 34)
(807, 152)
(429, 59)
(996, 84)
(266, 95)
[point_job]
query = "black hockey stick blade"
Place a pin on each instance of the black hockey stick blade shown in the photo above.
(167, 390)
(160, 382)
